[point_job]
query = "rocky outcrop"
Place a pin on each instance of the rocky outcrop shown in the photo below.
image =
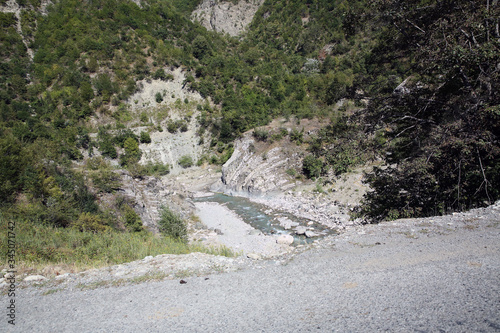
(166, 147)
(251, 172)
(226, 17)
(148, 194)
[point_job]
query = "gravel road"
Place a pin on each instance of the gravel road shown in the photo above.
(439, 274)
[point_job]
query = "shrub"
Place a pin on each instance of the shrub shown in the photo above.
(158, 97)
(297, 136)
(156, 169)
(132, 220)
(90, 222)
(312, 166)
(105, 180)
(185, 161)
(145, 138)
(159, 75)
(260, 134)
(172, 225)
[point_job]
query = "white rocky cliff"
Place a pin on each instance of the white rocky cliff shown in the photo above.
(225, 16)
(253, 171)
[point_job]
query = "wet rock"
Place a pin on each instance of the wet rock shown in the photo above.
(310, 234)
(300, 230)
(286, 223)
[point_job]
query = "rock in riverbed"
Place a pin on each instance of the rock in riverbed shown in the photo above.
(310, 234)
(284, 239)
(300, 230)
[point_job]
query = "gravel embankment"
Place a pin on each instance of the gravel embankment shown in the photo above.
(439, 274)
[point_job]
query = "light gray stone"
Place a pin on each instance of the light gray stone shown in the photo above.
(62, 276)
(284, 239)
(310, 234)
(300, 230)
(31, 278)
(254, 256)
(255, 232)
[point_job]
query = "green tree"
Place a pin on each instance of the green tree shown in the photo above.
(132, 152)
(133, 221)
(443, 119)
(11, 167)
(158, 97)
(201, 47)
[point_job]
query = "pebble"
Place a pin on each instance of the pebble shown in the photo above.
(254, 256)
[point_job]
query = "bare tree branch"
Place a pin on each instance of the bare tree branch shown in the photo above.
(416, 26)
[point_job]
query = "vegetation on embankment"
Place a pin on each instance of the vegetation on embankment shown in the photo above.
(42, 245)
(412, 83)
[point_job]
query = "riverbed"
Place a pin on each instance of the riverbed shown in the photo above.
(230, 230)
(246, 225)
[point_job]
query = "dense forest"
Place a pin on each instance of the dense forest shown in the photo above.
(422, 78)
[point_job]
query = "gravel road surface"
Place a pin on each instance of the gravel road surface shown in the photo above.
(420, 275)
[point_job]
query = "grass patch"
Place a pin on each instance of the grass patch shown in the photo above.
(41, 245)
(51, 291)
(152, 276)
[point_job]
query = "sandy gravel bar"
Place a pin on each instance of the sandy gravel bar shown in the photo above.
(237, 234)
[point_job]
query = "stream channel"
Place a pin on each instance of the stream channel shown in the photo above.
(266, 219)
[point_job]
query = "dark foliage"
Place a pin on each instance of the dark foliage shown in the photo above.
(443, 121)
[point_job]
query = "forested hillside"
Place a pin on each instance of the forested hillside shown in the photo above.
(418, 81)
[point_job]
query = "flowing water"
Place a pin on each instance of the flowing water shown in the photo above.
(264, 218)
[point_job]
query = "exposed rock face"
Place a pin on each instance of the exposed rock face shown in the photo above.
(150, 193)
(226, 17)
(166, 147)
(248, 172)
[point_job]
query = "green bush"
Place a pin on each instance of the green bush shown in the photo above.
(260, 134)
(90, 222)
(297, 136)
(145, 138)
(132, 152)
(158, 97)
(133, 222)
(312, 166)
(185, 161)
(171, 224)
(157, 169)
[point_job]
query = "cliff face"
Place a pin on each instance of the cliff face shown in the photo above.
(226, 17)
(256, 170)
(166, 147)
